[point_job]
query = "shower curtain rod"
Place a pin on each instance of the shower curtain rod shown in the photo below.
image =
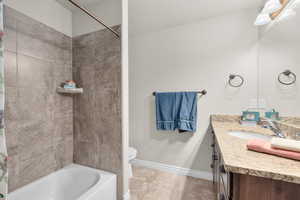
(94, 17)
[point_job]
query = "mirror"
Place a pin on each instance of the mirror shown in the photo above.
(279, 60)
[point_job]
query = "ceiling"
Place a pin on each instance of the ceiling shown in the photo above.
(86, 3)
(147, 15)
(150, 15)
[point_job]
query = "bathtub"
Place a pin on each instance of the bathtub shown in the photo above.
(73, 182)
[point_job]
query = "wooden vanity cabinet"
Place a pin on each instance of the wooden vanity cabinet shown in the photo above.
(247, 187)
(221, 178)
(232, 186)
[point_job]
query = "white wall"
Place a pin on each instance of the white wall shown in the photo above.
(48, 12)
(109, 11)
(190, 57)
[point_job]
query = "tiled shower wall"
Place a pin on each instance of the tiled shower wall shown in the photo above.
(39, 122)
(97, 112)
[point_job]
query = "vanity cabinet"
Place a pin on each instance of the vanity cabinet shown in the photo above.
(233, 186)
(221, 178)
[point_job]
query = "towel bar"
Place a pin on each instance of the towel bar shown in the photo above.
(203, 92)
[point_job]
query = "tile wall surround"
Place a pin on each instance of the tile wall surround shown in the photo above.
(39, 122)
(97, 112)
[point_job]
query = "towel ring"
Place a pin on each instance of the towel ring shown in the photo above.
(287, 73)
(232, 77)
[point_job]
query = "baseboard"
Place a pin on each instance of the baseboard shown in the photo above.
(126, 196)
(173, 169)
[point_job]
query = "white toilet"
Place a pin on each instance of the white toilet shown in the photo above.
(132, 152)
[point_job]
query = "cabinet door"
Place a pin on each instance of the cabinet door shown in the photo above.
(221, 178)
(222, 194)
(225, 179)
(217, 173)
(214, 158)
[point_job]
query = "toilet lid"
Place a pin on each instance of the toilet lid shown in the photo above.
(132, 153)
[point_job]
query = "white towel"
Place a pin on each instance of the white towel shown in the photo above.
(285, 144)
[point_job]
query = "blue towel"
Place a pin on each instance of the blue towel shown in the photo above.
(176, 110)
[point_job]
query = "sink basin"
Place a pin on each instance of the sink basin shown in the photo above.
(249, 135)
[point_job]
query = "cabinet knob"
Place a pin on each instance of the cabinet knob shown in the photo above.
(212, 166)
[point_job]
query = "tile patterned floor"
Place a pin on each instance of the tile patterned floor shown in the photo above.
(149, 184)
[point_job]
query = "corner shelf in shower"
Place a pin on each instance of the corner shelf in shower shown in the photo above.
(69, 91)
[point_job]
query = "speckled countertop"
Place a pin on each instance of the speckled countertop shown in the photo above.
(238, 159)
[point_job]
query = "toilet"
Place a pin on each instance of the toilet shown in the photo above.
(132, 152)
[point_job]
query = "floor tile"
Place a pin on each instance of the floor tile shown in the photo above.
(150, 184)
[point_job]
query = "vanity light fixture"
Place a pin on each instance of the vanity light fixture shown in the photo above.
(284, 5)
(272, 6)
(262, 19)
(271, 10)
(295, 4)
(287, 14)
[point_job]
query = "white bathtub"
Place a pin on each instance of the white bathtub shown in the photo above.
(73, 182)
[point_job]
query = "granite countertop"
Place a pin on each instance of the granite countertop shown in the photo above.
(238, 159)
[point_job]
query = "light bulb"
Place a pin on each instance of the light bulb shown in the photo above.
(262, 19)
(272, 6)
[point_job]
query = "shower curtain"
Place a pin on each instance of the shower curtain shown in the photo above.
(3, 150)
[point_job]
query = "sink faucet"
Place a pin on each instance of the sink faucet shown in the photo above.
(273, 126)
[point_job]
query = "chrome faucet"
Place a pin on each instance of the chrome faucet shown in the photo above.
(273, 126)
